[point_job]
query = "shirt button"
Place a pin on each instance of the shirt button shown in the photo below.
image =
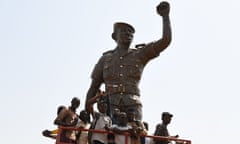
(120, 75)
(120, 57)
(121, 66)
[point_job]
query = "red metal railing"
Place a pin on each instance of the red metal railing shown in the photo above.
(182, 141)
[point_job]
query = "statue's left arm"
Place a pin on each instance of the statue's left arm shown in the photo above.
(153, 49)
(163, 10)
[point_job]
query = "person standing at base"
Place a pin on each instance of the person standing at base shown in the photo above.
(100, 119)
(161, 129)
(68, 118)
(53, 133)
(138, 128)
(121, 128)
(120, 69)
(82, 136)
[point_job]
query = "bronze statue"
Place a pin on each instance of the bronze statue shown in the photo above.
(120, 69)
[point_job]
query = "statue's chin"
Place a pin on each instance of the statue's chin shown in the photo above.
(127, 42)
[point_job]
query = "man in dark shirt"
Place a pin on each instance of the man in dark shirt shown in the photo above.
(161, 129)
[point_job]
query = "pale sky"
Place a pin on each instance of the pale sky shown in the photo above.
(48, 49)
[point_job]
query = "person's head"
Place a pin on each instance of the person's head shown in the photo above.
(102, 106)
(166, 117)
(116, 112)
(145, 125)
(131, 115)
(123, 33)
(59, 109)
(84, 116)
(122, 118)
(75, 103)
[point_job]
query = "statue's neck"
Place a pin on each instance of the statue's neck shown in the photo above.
(122, 50)
(123, 46)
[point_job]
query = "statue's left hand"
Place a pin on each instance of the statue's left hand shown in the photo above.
(163, 8)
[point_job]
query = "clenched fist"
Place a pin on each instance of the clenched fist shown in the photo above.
(163, 8)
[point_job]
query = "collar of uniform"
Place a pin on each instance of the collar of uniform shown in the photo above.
(130, 50)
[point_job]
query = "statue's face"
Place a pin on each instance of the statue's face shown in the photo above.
(124, 35)
(167, 119)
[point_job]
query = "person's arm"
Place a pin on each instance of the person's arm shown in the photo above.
(175, 136)
(60, 120)
(121, 131)
(156, 133)
(93, 100)
(49, 134)
(60, 117)
(141, 129)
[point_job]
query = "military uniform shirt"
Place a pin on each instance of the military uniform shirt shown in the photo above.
(121, 73)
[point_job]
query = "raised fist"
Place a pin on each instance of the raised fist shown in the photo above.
(163, 8)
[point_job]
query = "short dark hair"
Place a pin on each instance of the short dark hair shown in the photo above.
(76, 99)
(59, 109)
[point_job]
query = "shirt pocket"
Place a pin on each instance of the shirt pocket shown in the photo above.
(108, 69)
(134, 68)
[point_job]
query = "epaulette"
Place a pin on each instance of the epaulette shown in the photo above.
(108, 52)
(140, 45)
(132, 49)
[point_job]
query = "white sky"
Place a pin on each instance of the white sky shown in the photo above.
(48, 49)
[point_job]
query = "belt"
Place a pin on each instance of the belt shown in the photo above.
(121, 89)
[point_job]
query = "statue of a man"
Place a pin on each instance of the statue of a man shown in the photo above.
(120, 69)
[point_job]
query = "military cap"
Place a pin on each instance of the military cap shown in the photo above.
(119, 25)
(166, 114)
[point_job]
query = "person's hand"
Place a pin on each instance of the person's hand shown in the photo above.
(106, 127)
(73, 122)
(46, 133)
(102, 93)
(163, 8)
(139, 129)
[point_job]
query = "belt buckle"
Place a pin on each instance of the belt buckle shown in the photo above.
(121, 89)
(114, 86)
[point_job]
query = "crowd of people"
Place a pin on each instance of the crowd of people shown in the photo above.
(112, 128)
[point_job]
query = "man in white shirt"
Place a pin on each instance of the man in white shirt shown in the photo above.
(101, 120)
(121, 129)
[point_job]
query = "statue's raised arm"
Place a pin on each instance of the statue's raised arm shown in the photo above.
(163, 10)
